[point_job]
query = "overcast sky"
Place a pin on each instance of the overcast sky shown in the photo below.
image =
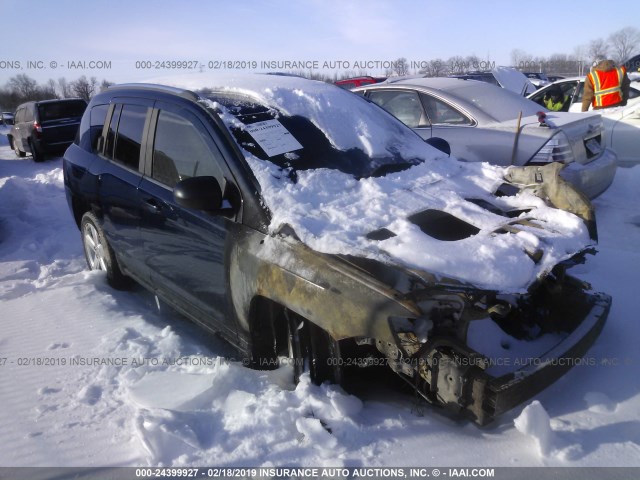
(53, 33)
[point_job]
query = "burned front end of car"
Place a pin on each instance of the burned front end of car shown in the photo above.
(374, 246)
(479, 352)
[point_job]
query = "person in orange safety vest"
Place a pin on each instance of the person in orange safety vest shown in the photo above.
(606, 85)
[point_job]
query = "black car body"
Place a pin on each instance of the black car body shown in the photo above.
(169, 187)
(45, 127)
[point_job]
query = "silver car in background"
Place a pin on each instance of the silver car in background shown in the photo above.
(485, 123)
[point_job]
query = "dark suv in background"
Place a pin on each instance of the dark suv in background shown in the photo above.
(45, 127)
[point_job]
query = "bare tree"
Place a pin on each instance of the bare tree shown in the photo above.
(456, 64)
(84, 88)
(520, 59)
(64, 87)
(435, 68)
(49, 89)
(401, 67)
(105, 84)
(561, 63)
(598, 49)
(474, 62)
(580, 54)
(24, 86)
(624, 43)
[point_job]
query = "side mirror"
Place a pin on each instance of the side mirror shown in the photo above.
(440, 143)
(199, 193)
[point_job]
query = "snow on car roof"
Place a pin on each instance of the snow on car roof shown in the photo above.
(330, 108)
(333, 212)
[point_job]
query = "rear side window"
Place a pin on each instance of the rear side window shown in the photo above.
(182, 150)
(60, 110)
(97, 117)
(129, 136)
(28, 115)
(441, 113)
(19, 116)
(404, 105)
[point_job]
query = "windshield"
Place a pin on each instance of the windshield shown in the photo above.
(499, 103)
(295, 142)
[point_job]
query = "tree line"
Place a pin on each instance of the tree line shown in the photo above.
(22, 88)
(619, 46)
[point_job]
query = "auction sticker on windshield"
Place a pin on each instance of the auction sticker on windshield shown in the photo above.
(273, 138)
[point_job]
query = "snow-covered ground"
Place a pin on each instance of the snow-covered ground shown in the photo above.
(172, 396)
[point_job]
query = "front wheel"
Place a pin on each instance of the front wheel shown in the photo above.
(98, 253)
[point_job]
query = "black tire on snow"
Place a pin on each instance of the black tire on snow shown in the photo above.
(36, 153)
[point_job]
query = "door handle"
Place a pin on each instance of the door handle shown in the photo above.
(153, 205)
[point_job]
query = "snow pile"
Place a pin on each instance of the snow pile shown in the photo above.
(598, 402)
(201, 408)
(30, 209)
(534, 421)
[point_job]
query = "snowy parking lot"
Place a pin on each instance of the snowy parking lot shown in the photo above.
(91, 376)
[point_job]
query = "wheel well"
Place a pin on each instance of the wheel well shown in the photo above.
(267, 331)
(79, 208)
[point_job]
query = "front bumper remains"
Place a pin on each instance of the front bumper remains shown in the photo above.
(458, 381)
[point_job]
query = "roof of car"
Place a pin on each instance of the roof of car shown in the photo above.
(46, 102)
(56, 100)
(182, 92)
(440, 83)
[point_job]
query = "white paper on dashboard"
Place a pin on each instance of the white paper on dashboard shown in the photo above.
(273, 138)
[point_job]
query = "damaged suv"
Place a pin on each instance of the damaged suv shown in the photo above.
(299, 220)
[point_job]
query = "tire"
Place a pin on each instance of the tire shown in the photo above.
(99, 254)
(36, 153)
(312, 349)
(19, 153)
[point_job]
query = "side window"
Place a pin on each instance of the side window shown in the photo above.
(404, 105)
(91, 127)
(441, 113)
(129, 136)
(182, 149)
(578, 97)
(538, 97)
(563, 91)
